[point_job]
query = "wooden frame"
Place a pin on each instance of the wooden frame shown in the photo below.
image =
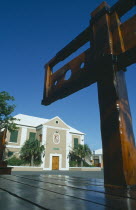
(113, 48)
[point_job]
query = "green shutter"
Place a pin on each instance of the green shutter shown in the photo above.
(32, 135)
(75, 143)
(13, 136)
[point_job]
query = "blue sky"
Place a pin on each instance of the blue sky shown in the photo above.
(32, 32)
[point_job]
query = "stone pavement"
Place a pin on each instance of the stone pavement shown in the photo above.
(84, 174)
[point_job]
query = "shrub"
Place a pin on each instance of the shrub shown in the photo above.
(72, 163)
(85, 164)
(14, 161)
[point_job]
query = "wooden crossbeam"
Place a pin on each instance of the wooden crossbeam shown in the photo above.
(58, 87)
(127, 58)
(128, 31)
(74, 45)
(121, 7)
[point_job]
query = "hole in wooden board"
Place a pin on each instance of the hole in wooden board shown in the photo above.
(68, 74)
(56, 82)
(82, 65)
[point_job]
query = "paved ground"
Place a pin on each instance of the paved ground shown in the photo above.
(84, 174)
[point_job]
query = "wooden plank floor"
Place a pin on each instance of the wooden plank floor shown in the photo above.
(59, 192)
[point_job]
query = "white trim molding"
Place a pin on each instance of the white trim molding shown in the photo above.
(60, 162)
(68, 141)
(23, 136)
(44, 134)
(13, 146)
(58, 128)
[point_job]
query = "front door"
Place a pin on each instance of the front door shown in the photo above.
(55, 163)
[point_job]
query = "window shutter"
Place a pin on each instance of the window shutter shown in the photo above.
(32, 135)
(13, 136)
(75, 143)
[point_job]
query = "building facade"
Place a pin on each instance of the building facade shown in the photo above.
(97, 158)
(57, 137)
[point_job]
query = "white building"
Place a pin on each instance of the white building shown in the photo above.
(98, 157)
(57, 137)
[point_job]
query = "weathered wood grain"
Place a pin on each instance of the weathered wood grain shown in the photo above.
(48, 196)
(45, 192)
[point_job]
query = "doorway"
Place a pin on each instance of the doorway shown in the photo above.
(55, 163)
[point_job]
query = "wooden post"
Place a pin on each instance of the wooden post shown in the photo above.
(2, 147)
(3, 165)
(119, 152)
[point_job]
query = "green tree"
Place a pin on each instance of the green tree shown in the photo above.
(6, 120)
(32, 151)
(6, 108)
(80, 153)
